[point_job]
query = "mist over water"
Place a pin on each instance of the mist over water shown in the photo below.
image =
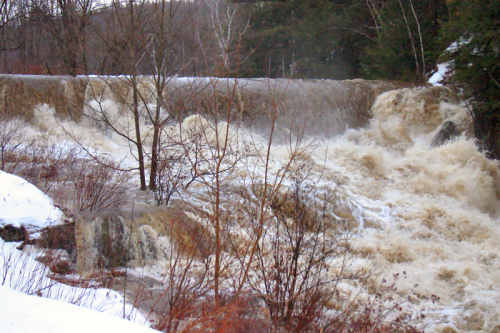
(432, 212)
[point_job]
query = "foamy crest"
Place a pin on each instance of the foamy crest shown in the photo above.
(443, 204)
(401, 117)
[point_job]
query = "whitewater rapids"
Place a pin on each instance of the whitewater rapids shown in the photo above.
(430, 212)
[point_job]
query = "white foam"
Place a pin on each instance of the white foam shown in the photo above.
(433, 212)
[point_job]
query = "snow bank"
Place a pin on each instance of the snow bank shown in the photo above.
(20, 271)
(22, 313)
(22, 203)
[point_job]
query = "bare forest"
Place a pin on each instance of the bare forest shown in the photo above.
(119, 37)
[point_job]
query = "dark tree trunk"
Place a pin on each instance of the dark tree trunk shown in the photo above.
(140, 151)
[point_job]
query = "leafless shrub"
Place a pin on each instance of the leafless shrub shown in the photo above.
(59, 237)
(380, 313)
(291, 262)
(234, 314)
(10, 139)
(174, 170)
(185, 285)
(97, 187)
(16, 272)
(71, 180)
(42, 165)
(185, 157)
(19, 271)
(45, 277)
(169, 179)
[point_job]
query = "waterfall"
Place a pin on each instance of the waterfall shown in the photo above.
(413, 203)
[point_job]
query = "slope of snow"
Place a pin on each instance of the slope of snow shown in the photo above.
(21, 313)
(22, 203)
(20, 271)
(21, 276)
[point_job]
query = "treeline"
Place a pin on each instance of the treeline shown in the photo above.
(338, 39)
(390, 39)
(86, 37)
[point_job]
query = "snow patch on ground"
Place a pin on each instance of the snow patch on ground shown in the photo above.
(437, 78)
(20, 271)
(29, 299)
(22, 203)
(24, 313)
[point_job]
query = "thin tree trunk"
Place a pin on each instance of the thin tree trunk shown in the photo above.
(412, 40)
(420, 39)
(155, 147)
(140, 150)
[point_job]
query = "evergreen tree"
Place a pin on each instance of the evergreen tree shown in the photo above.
(291, 39)
(406, 46)
(385, 39)
(474, 35)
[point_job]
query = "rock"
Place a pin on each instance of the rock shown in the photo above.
(86, 251)
(112, 240)
(101, 242)
(59, 237)
(56, 264)
(447, 131)
(61, 267)
(147, 244)
(471, 321)
(448, 329)
(496, 329)
(9, 233)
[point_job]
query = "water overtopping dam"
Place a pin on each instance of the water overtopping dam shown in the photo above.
(413, 195)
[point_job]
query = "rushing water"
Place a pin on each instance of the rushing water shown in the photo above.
(430, 211)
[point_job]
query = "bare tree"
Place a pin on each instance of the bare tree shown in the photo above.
(291, 260)
(67, 22)
(419, 63)
(164, 56)
(99, 111)
(419, 33)
(229, 26)
(180, 161)
(271, 185)
(220, 109)
(7, 12)
(144, 36)
(10, 10)
(376, 8)
(186, 283)
(125, 37)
